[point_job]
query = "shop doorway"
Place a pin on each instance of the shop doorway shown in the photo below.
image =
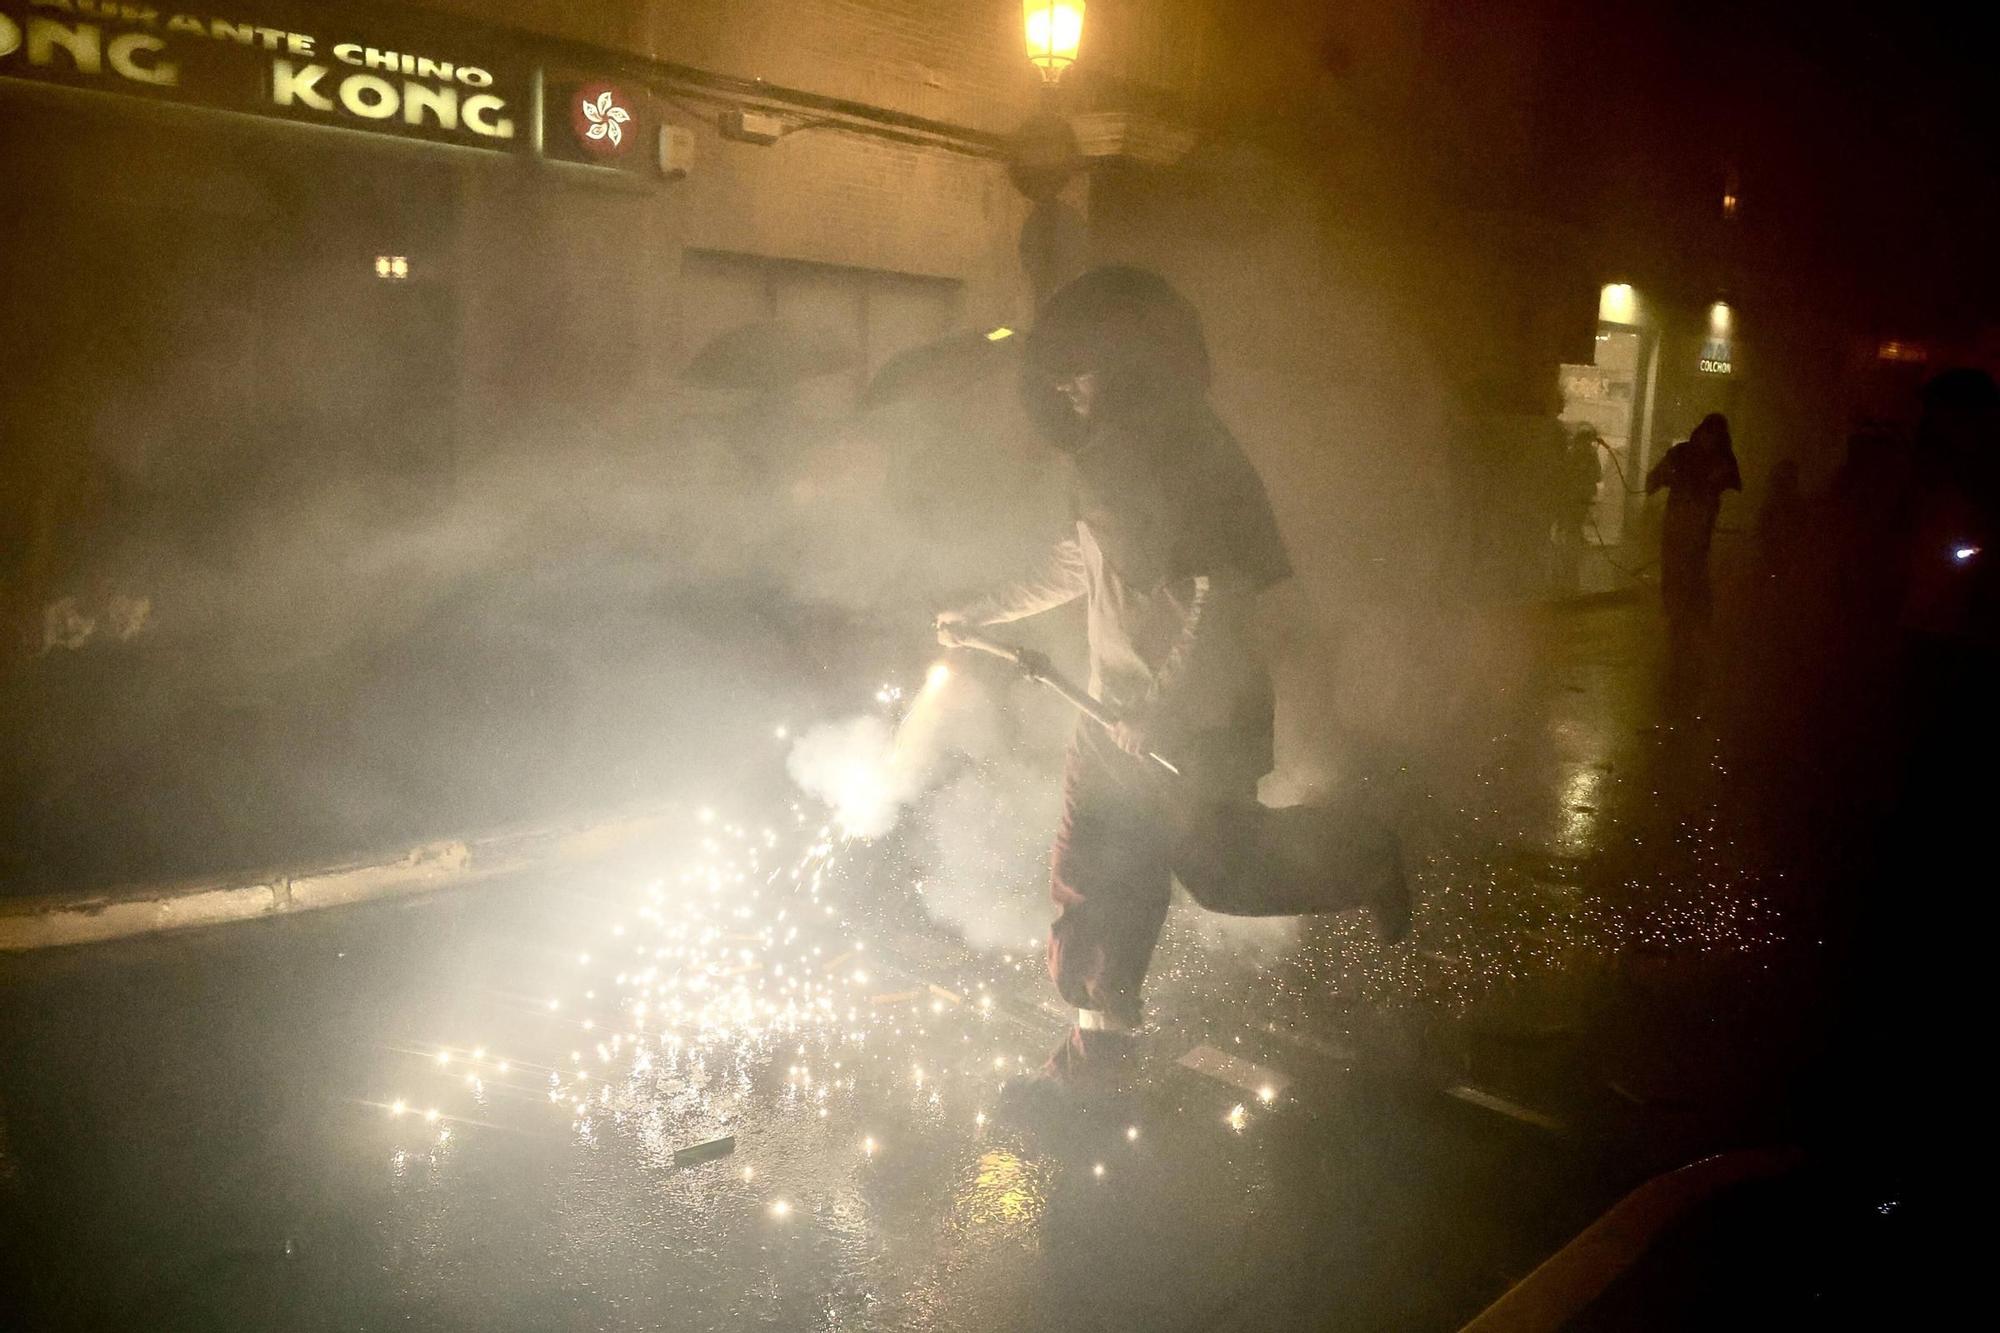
(1610, 395)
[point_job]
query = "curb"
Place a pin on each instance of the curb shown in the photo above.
(59, 920)
(1590, 601)
(1572, 604)
(1567, 1282)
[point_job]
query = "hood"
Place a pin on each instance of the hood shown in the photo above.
(1141, 338)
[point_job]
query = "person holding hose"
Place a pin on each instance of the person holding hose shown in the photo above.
(1177, 557)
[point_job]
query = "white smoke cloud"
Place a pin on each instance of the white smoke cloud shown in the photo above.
(868, 772)
(981, 809)
(856, 769)
(989, 831)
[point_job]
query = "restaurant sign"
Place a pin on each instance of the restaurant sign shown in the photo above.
(398, 72)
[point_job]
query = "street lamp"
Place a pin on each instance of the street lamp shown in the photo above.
(1045, 154)
(1055, 28)
(1617, 303)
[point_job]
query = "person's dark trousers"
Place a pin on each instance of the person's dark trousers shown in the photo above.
(1129, 829)
(1110, 875)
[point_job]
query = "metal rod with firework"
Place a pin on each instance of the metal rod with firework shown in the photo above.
(1037, 667)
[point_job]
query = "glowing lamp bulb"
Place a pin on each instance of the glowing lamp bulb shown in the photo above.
(1617, 303)
(1964, 553)
(1054, 31)
(937, 677)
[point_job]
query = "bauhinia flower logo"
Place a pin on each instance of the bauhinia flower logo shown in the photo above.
(599, 116)
(605, 116)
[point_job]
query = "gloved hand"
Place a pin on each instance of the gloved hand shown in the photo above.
(1132, 737)
(1146, 731)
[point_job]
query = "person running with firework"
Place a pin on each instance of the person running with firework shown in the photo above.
(1177, 556)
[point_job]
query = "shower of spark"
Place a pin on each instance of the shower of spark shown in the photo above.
(731, 995)
(736, 980)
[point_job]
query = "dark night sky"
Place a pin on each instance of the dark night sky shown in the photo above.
(1863, 135)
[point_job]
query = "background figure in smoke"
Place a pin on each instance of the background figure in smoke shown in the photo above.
(1949, 631)
(1577, 474)
(1694, 474)
(1177, 555)
(1782, 521)
(1954, 509)
(1913, 982)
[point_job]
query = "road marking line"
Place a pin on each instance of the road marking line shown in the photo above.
(1490, 1101)
(705, 1152)
(1245, 1075)
(1326, 1050)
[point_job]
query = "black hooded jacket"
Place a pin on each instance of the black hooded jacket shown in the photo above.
(1174, 532)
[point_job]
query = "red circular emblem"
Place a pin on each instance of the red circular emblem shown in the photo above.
(600, 115)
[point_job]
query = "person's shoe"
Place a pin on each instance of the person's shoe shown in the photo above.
(1037, 1100)
(1089, 1072)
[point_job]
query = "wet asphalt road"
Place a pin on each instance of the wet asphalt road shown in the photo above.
(465, 1112)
